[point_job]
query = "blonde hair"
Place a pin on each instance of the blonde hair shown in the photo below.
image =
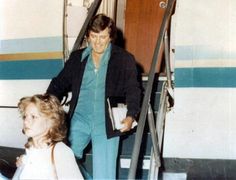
(50, 107)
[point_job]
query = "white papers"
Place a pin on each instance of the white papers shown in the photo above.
(117, 115)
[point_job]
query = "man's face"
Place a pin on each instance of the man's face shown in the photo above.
(99, 41)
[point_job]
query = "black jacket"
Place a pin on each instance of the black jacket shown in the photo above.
(121, 81)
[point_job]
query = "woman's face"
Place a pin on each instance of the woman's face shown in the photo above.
(35, 125)
(99, 41)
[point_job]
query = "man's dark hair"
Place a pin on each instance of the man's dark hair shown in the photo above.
(100, 22)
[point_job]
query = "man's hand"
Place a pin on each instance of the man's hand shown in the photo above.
(127, 122)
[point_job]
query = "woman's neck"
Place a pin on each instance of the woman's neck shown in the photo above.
(40, 145)
(41, 142)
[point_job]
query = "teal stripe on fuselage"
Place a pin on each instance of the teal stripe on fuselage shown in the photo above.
(30, 69)
(44, 44)
(205, 77)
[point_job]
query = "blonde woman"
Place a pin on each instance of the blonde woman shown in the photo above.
(47, 157)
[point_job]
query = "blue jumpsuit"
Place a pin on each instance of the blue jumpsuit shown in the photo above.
(88, 121)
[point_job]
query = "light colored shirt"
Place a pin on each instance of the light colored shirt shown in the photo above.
(37, 164)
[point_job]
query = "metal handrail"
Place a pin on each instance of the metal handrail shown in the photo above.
(155, 140)
(167, 60)
(146, 100)
(159, 132)
(161, 113)
(64, 32)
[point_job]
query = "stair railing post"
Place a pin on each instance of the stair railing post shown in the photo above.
(155, 161)
(154, 138)
(167, 59)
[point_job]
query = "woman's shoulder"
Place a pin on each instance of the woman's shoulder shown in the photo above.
(61, 145)
(63, 148)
